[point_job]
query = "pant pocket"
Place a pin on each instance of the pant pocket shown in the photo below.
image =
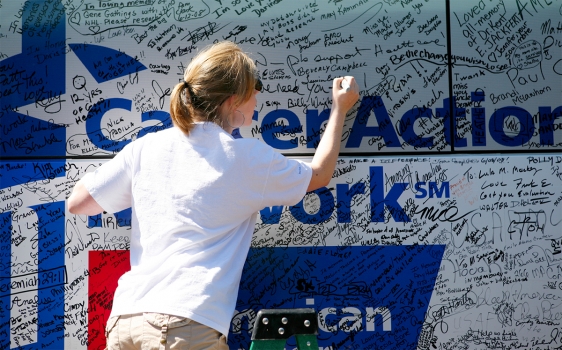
(111, 322)
(112, 333)
(170, 321)
(222, 343)
(166, 331)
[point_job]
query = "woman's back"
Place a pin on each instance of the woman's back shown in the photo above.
(195, 200)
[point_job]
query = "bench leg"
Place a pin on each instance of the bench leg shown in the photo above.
(278, 344)
(307, 342)
(304, 342)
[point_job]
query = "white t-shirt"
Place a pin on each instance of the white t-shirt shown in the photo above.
(194, 204)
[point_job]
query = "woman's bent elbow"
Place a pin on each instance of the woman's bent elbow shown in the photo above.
(73, 206)
(317, 182)
(81, 202)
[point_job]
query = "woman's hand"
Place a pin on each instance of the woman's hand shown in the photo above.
(326, 155)
(345, 93)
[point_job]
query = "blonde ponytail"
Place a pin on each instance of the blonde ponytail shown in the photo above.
(181, 108)
(216, 73)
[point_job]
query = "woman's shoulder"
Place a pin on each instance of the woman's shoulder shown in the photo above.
(166, 134)
(254, 145)
(153, 140)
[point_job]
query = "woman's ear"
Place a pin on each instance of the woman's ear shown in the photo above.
(231, 102)
(228, 106)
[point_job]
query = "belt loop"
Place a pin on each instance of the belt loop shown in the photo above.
(163, 339)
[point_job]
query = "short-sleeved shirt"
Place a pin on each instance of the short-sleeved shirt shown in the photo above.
(194, 203)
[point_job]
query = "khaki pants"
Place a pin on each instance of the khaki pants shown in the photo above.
(152, 331)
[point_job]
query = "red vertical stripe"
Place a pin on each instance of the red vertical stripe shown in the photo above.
(105, 266)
